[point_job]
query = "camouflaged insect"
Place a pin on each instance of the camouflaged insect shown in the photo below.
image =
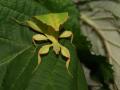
(48, 27)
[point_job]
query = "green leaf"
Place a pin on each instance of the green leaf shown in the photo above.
(18, 56)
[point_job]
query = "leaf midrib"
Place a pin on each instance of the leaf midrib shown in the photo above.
(14, 56)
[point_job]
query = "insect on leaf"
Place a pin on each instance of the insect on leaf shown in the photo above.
(53, 20)
(65, 52)
(39, 37)
(44, 49)
(66, 34)
(56, 47)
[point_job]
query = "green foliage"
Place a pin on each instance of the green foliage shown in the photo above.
(101, 70)
(18, 56)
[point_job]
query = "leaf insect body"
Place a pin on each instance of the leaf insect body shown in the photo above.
(48, 27)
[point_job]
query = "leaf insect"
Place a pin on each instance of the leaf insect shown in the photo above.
(48, 27)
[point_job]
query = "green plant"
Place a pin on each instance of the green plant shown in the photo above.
(18, 56)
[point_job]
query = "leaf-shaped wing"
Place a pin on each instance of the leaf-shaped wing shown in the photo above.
(53, 19)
